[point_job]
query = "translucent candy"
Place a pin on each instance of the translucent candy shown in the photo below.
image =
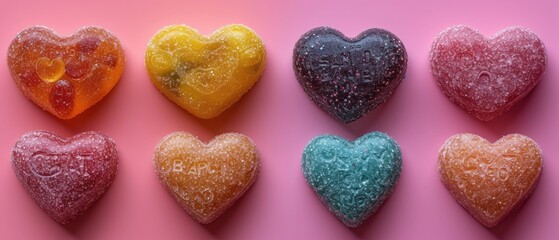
(65, 75)
(352, 179)
(490, 179)
(205, 75)
(348, 77)
(65, 176)
(487, 76)
(206, 178)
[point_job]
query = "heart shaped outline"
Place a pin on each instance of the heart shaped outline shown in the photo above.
(355, 204)
(362, 77)
(190, 147)
(210, 93)
(475, 93)
(48, 190)
(42, 98)
(482, 207)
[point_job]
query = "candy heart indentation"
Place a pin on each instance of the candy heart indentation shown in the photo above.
(90, 62)
(50, 70)
(353, 179)
(65, 176)
(205, 75)
(206, 178)
(348, 77)
(490, 179)
(487, 76)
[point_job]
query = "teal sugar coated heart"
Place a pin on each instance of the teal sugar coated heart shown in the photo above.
(353, 179)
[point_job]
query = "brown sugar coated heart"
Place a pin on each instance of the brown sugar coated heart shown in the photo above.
(490, 179)
(206, 178)
(65, 75)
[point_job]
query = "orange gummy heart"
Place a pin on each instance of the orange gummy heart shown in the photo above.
(65, 75)
(205, 75)
(490, 179)
(206, 178)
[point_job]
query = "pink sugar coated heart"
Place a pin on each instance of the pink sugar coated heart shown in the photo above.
(487, 76)
(65, 176)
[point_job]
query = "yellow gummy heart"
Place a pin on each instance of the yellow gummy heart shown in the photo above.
(205, 75)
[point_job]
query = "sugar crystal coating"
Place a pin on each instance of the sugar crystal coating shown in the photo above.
(205, 75)
(65, 75)
(348, 77)
(206, 178)
(487, 76)
(490, 179)
(353, 179)
(65, 176)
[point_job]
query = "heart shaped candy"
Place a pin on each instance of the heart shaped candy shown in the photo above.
(352, 179)
(490, 179)
(487, 76)
(65, 176)
(205, 75)
(206, 178)
(65, 75)
(348, 77)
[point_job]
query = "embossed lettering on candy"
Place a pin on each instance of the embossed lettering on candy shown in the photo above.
(490, 180)
(65, 75)
(205, 75)
(487, 76)
(206, 179)
(65, 176)
(352, 179)
(348, 77)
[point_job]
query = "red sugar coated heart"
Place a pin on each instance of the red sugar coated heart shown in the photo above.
(65, 176)
(487, 76)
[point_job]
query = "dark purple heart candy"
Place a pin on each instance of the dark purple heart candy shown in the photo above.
(348, 77)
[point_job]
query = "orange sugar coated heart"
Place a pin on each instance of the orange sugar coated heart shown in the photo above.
(490, 179)
(206, 178)
(205, 75)
(65, 75)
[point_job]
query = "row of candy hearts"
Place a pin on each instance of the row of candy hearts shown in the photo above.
(353, 179)
(347, 77)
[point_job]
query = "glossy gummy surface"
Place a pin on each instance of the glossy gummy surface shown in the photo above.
(205, 75)
(65, 75)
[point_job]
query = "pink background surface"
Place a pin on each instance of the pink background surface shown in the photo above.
(281, 120)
